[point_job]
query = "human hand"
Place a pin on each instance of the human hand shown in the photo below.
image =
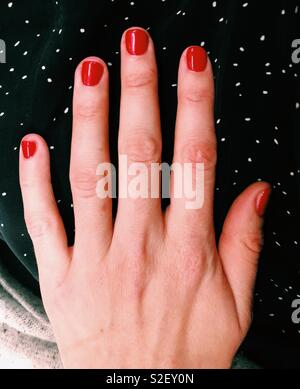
(152, 289)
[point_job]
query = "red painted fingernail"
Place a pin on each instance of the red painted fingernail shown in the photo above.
(92, 72)
(262, 201)
(196, 58)
(137, 41)
(28, 148)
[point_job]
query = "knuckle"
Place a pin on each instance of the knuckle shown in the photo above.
(197, 95)
(26, 183)
(206, 154)
(192, 266)
(194, 263)
(134, 276)
(86, 110)
(84, 182)
(141, 149)
(139, 79)
(253, 242)
(38, 227)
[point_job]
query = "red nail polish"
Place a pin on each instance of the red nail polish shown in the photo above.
(28, 148)
(92, 72)
(137, 41)
(196, 58)
(262, 201)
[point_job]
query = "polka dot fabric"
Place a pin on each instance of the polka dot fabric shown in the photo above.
(257, 121)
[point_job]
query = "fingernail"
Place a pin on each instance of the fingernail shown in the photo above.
(137, 41)
(196, 58)
(28, 148)
(92, 72)
(262, 201)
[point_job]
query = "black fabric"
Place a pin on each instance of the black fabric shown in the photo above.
(257, 120)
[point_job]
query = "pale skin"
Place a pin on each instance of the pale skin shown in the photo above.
(151, 289)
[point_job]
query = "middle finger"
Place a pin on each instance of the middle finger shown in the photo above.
(140, 130)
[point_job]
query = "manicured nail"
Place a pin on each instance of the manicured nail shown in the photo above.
(262, 201)
(196, 58)
(28, 148)
(137, 41)
(92, 72)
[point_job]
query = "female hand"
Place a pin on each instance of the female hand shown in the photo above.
(152, 290)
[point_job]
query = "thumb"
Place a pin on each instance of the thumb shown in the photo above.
(241, 242)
